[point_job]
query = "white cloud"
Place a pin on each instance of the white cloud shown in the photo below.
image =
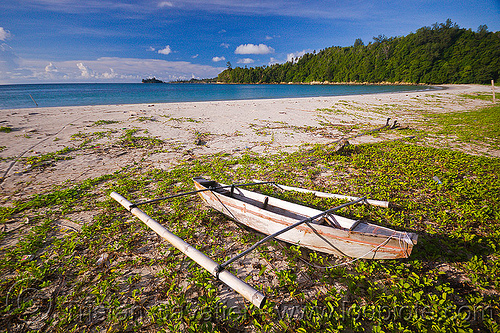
(86, 72)
(217, 59)
(164, 4)
(222, 31)
(246, 61)
(110, 75)
(290, 57)
(224, 45)
(50, 68)
(9, 62)
(16, 70)
(101, 70)
(272, 37)
(195, 56)
(166, 50)
(4, 34)
(273, 61)
(254, 49)
(308, 9)
(151, 49)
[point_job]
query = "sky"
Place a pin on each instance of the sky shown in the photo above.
(71, 41)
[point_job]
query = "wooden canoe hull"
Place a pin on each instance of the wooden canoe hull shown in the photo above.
(365, 240)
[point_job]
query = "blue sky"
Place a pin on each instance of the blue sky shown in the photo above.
(44, 41)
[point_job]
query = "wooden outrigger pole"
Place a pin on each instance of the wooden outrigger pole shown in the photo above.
(245, 290)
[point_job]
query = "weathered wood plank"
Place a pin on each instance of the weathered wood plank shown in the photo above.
(379, 243)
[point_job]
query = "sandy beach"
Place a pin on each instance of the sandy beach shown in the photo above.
(96, 260)
(88, 141)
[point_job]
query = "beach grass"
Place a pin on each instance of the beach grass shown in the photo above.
(115, 274)
(477, 126)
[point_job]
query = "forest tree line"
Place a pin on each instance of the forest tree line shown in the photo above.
(443, 53)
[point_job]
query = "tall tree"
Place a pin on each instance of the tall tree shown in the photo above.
(442, 53)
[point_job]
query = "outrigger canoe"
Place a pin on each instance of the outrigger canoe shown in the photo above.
(330, 234)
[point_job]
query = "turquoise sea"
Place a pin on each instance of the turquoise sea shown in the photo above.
(48, 95)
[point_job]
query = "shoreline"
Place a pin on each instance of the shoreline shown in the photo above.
(353, 83)
(424, 88)
(88, 141)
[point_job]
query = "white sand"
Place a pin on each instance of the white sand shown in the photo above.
(261, 126)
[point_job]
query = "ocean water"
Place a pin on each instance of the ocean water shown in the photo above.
(49, 95)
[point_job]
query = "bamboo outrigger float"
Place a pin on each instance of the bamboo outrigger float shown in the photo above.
(315, 229)
(254, 296)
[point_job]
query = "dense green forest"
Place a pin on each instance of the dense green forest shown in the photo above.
(443, 53)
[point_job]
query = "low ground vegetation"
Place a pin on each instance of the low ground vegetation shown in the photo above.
(112, 273)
